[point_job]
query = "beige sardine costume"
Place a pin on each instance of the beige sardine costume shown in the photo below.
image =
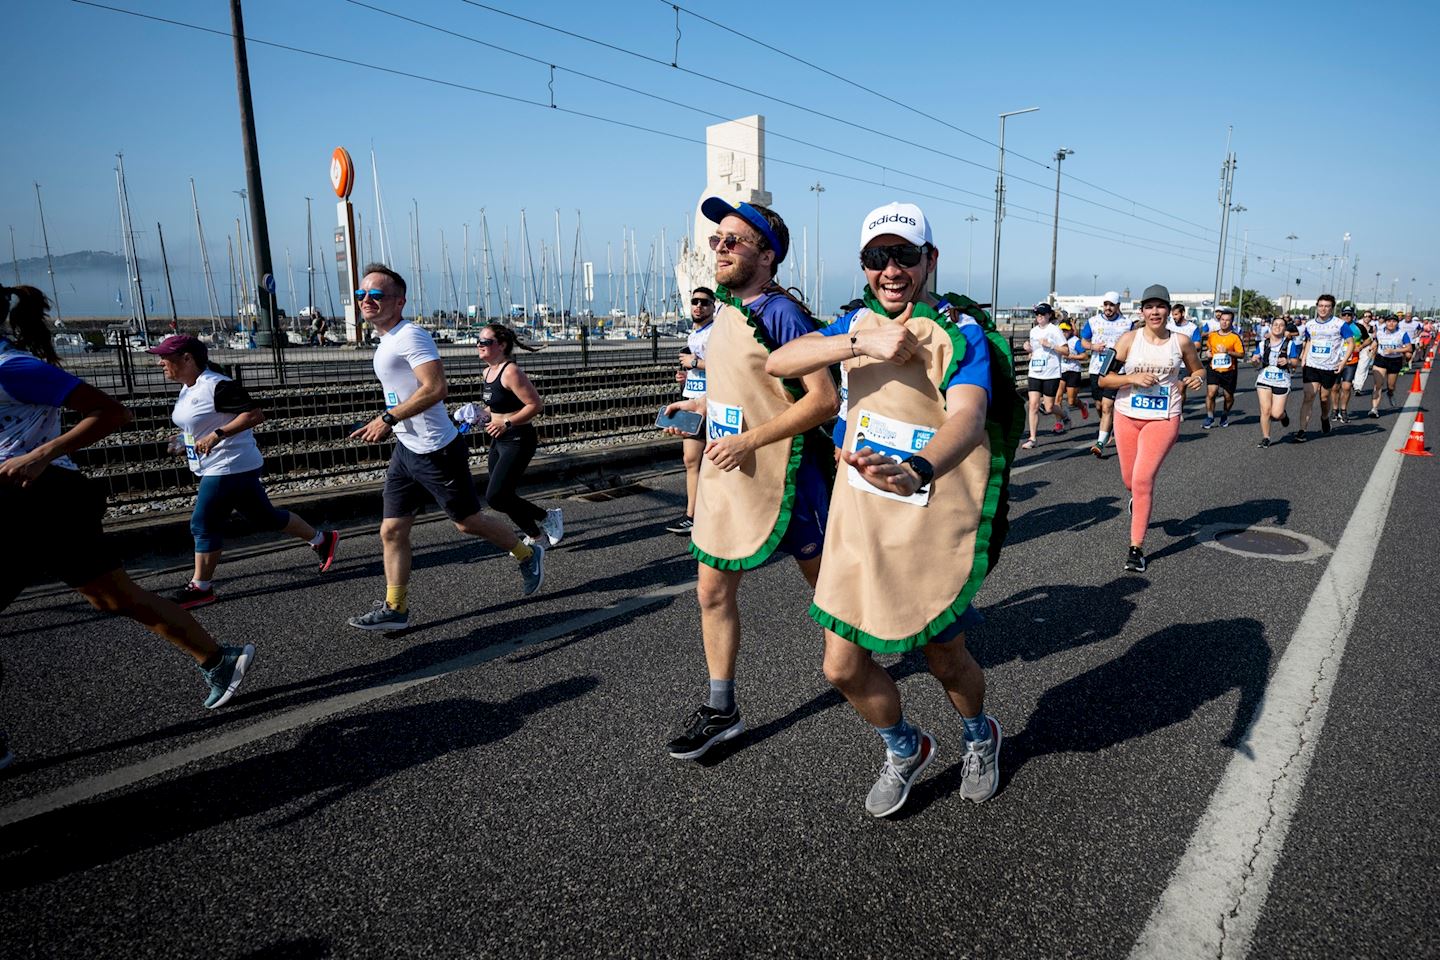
(741, 515)
(897, 574)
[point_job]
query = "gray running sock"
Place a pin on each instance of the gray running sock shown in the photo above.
(722, 695)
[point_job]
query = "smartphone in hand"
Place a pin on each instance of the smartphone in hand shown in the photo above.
(682, 420)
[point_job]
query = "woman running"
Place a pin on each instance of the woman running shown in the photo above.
(54, 510)
(1147, 408)
(1393, 352)
(513, 402)
(1275, 354)
(217, 418)
(1047, 348)
(1070, 368)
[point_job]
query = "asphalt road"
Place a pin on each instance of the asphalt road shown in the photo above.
(493, 781)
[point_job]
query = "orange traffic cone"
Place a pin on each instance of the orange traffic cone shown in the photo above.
(1415, 446)
(1415, 385)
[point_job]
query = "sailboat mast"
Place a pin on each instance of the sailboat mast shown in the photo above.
(169, 287)
(310, 257)
(205, 262)
(465, 283)
(419, 261)
(14, 257)
(49, 264)
(290, 275)
(485, 261)
(559, 270)
(230, 254)
(126, 225)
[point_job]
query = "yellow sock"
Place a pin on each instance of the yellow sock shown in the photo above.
(395, 597)
(521, 551)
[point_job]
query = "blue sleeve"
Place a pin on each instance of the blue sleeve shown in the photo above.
(975, 365)
(1405, 339)
(1085, 331)
(840, 325)
(1294, 350)
(31, 380)
(784, 321)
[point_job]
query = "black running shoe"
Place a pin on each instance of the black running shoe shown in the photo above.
(1135, 561)
(1264, 442)
(190, 596)
(705, 728)
(682, 526)
(1284, 419)
(1300, 436)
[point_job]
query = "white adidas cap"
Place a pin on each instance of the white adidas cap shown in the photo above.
(1111, 296)
(904, 220)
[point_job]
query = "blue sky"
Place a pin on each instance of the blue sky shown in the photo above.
(1333, 107)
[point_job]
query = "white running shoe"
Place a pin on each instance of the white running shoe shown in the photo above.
(553, 526)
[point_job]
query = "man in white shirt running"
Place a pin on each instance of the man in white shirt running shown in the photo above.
(431, 459)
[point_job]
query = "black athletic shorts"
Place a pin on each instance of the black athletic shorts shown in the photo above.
(443, 476)
(1097, 393)
(1389, 364)
(53, 531)
(1326, 378)
(1071, 379)
(1046, 388)
(1224, 379)
(1347, 373)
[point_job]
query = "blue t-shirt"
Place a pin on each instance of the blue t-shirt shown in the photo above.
(781, 317)
(31, 395)
(974, 367)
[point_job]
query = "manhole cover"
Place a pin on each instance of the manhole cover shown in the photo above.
(1268, 543)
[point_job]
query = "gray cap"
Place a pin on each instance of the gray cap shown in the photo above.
(1156, 291)
(1224, 309)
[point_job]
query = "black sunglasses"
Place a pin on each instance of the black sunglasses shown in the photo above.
(486, 341)
(376, 295)
(878, 258)
(701, 301)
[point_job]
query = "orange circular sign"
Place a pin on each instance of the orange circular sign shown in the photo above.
(342, 173)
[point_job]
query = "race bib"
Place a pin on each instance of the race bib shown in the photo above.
(1273, 376)
(1222, 361)
(1037, 366)
(694, 384)
(191, 453)
(1321, 350)
(724, 419)
(1154, 398)
(895, 439)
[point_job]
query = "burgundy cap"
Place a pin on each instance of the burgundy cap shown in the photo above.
(178, 343)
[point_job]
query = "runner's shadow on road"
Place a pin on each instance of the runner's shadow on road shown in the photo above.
(293, 948)
(1161, 681)
(1020, 492)
(1035, 623)
(1273, 511)
(1061, 517)
(331, 761)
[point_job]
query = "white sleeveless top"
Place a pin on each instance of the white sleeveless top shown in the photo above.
(1162, 400)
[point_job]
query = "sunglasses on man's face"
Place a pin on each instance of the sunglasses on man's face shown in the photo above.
(878, 258)
(701, 302)
(376, 295)
(729, 241)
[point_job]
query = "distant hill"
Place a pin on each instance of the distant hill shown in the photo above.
(82, 260)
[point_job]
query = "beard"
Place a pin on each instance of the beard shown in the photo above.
(739, 275)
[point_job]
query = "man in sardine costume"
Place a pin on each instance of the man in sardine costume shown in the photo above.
(918, 512)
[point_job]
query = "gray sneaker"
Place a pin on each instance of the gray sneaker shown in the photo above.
(381, 617)
(980, 769)
(553, 526)
(897, 777)
(533, 570)
(224, 678)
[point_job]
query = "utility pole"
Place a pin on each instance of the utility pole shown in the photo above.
(260, 237)
(1244, 267)
(817, 189)
(49, 264)
(970, 253)
(1000, 212)
(1060, 156)
(1227, 183)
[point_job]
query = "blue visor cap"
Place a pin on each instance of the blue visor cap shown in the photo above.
(716, 210)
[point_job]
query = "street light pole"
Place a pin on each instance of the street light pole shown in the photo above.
(1289, 255)
(1000, 212)
(817, 189)
(1094, 283)
(1227, 184)
(969, 254)
(1060, 156)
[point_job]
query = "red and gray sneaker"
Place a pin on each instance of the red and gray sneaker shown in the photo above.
(325, 549)
(192, 596)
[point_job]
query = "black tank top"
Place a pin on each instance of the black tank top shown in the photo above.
(498, 397)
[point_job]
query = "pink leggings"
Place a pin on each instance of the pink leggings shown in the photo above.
(1142, 446)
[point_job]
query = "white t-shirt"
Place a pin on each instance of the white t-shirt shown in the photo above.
(1327, 340)
(196, 416)
(401, 350)
(695, 379)
(1076, 347)
(1411, 327)
(31, 394)
(1044, 361)
(1104, 333)
(1391, 343)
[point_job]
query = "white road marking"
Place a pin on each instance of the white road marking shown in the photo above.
(1213, 902)
(311, 712)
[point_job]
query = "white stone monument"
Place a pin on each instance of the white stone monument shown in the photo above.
(735, 171)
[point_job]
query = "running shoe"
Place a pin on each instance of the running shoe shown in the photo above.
(192, 596)
(682, 526)
(382, 616)
(1374, 414)
(1390, 398)
(1300, 436)
(533, 569)
(1225, 421)
(1325, 426)
(705, 728)
(1284, 419)
(1264, 442)
(1028, 444)
(7, 756)
(224, 678)
(1097, 452)
(553, 526)
(1059, 428)
(1084, 411)
(325, 550)
(897, 776)
(980, 768)
(1209, 422)
(1135, 561)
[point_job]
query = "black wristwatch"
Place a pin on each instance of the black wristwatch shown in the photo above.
(220, 432)
(388, 419)
(923, 468)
